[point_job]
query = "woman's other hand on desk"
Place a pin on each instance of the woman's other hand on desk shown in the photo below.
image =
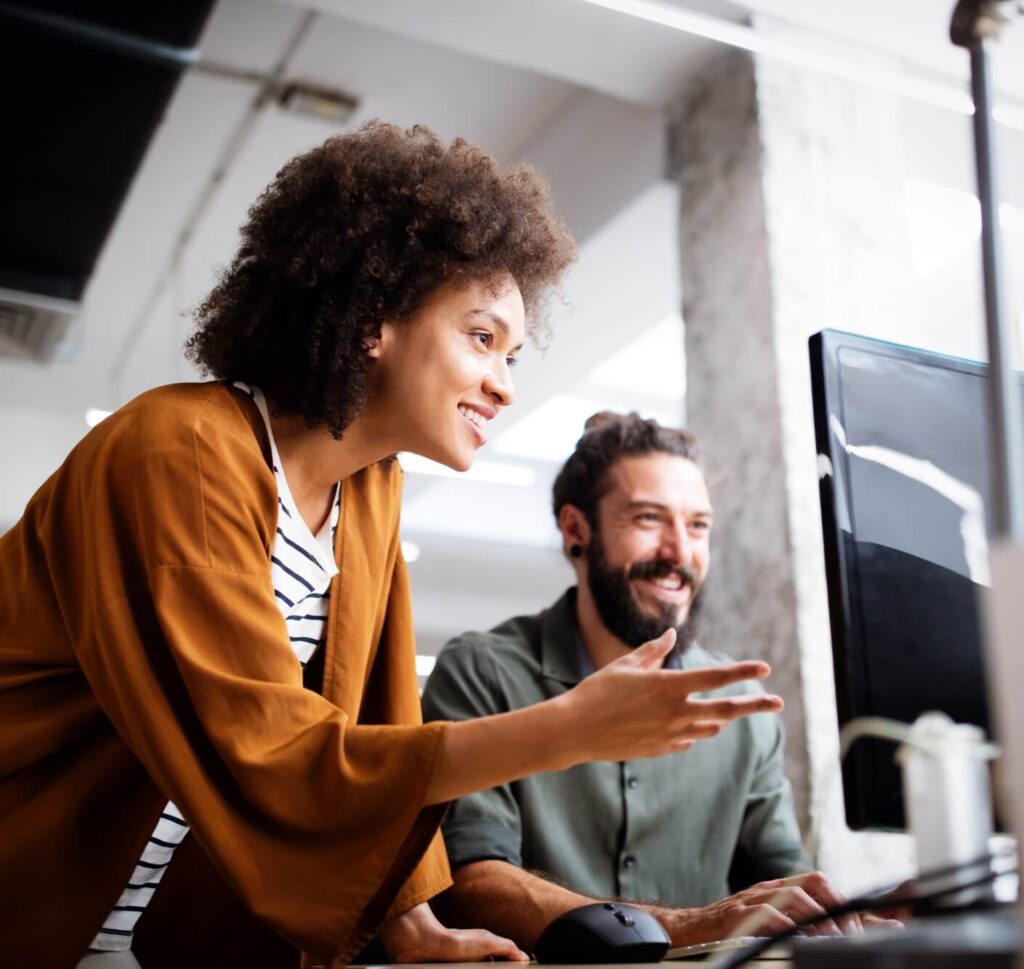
(417, 936)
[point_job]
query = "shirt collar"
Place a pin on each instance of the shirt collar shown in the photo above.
(564, 655)
(289, 521)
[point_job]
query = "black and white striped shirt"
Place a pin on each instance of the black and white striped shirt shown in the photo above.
(301, 568)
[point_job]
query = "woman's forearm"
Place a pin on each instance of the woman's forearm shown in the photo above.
(483, 753)
(631, 708)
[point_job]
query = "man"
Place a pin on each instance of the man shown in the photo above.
(633, 509)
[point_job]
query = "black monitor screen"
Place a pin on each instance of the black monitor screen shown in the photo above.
(902, 447)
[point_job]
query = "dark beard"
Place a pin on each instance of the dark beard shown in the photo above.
(622, 617)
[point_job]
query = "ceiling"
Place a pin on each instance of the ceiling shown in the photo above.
(576, 87)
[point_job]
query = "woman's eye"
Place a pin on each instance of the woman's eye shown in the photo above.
(483, 337)
(512, 362)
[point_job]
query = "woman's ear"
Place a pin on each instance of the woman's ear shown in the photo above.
(372, 342)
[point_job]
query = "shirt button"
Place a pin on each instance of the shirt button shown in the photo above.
(632, 782)
(629, 861)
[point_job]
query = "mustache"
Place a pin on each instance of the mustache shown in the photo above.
(660, 569)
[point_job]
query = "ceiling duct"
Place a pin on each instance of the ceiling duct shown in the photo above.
(33, 327)
(87, 86)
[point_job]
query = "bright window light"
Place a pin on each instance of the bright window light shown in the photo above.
(945, 223)
(424, 664)
(550, 432)
(651, 365)
(410, 551)
(944, 94)
(94, 415)
(489, 472)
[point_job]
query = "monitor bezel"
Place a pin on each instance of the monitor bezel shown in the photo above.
(845, 625)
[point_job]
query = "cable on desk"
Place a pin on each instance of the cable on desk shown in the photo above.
(872, 901)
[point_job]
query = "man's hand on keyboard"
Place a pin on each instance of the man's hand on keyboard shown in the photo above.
(763, 909)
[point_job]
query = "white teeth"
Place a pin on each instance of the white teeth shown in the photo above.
(473, 416)
(672, 582)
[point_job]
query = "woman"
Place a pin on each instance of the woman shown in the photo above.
(209, 721)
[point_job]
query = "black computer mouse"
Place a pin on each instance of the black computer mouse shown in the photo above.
(603, 932)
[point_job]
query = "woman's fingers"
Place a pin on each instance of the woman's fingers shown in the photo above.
(729, 708)
(715, 677)
(652, 654)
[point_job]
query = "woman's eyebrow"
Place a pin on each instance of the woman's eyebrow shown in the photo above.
(497, 320)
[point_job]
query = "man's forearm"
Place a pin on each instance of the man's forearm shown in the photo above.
(507, 900)
(518, 904)
(503, 898)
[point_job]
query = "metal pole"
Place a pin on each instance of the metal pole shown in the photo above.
(1004, 392)
(973, 24)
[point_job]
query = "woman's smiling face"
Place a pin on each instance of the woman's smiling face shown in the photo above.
(442, 374)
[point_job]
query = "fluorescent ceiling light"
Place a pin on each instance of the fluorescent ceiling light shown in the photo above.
(488, 472)
(425, 664)
(654, 364)
(550, 432)
(410, 551)
(94, 415)
(944, 94)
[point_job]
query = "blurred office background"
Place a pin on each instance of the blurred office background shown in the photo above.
(737, 175)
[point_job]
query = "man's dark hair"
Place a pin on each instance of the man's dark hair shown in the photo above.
(608, 437)
(359, 231)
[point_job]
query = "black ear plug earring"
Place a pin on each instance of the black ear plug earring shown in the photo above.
(575, 551)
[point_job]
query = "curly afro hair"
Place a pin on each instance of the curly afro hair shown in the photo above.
(358, 231)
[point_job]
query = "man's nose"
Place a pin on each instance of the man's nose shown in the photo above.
(676, 545)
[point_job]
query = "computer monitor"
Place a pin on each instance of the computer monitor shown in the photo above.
(904, 484)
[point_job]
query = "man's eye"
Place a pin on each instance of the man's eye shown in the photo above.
(700, 526)
(647, 516)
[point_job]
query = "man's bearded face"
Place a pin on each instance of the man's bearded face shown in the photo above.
(625, 617)
(649, 551)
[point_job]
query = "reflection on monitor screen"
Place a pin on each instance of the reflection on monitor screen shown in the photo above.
(903, 495)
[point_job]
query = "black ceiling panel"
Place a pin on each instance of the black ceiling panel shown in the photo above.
(85, 86)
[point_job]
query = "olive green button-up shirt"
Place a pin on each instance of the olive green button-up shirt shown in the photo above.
(683, 829)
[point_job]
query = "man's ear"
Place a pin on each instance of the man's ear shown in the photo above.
(574, 527)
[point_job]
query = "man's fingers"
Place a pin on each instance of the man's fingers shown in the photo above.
(818, 887)
(652, 654)
(765, 920)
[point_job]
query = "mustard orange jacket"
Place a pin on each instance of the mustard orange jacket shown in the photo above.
(143, 658)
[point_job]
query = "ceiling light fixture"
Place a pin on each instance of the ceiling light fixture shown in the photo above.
(488, 472)
(943, 94)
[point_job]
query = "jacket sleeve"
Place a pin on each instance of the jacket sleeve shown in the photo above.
(313, 819)
(487, 824)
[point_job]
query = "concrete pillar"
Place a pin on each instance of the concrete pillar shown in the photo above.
(791, 221)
